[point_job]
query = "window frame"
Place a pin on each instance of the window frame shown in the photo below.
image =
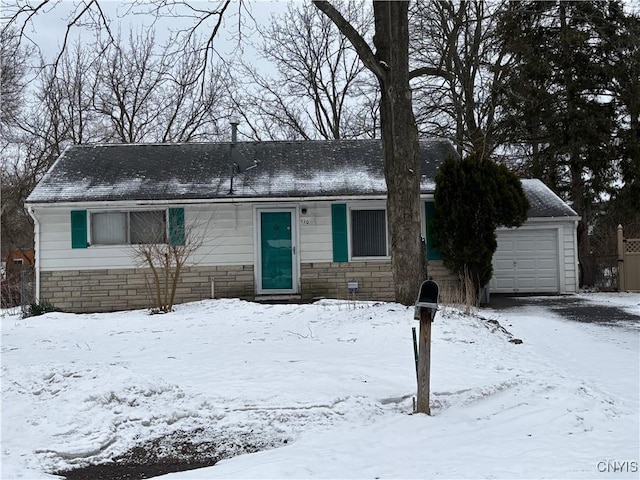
(351, 238)
(127, 213)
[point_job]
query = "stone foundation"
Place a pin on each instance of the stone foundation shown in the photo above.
(124, 289)
(445, 279)
(329, 280)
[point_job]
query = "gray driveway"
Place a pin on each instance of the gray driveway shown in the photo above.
(570, 307)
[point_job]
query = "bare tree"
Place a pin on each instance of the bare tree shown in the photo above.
(460, 38)
(320, 88)
(64, 98)
(148, 95)
(89, 16)
(198, 18)
(57, 113)
(96, 21)
(23, 163)
(191, 111)
(13, 72)
(156, 97)
(127, 78)
(16, 150)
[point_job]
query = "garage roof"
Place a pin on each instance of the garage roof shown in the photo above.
(543, 203)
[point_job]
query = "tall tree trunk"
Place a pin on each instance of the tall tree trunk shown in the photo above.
(401, 149)
(399, 133)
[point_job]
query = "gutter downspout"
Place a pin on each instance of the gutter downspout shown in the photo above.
(36, 248)
(575, 253)
(235, 169)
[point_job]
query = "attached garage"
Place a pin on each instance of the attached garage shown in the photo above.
(526, 261)
(540, 256)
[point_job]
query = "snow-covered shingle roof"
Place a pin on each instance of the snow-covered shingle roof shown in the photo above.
(203, 171)
(543, 202)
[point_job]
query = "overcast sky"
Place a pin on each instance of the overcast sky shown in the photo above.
(47, 29)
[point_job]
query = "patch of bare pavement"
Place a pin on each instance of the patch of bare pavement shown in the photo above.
(177, 452)
(572, 308)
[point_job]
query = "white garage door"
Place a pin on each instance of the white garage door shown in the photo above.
(526, 261)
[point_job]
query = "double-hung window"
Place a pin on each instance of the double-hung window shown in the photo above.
(369, 233)
(123, 228)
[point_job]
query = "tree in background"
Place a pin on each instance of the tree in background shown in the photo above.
(558, 103)
(15, 225)
(624, 207)
(474, 196)
(135, 91)
(145, 92)
(13, 75)
(459, 37)
(320, 89)
(621, 205)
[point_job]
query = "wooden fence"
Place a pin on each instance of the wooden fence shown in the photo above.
(628, 263)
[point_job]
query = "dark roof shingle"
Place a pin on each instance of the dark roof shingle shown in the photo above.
(203, 171)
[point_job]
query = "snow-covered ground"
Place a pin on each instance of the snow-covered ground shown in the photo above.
(327, 388)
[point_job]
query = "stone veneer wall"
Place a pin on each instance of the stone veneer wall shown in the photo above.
(445, 279)
(123, 289)
(375, 279)
(329, 280)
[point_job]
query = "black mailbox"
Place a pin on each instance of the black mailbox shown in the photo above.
(428, 298)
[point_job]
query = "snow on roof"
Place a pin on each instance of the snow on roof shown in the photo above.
(543, 202)
(243, 170)
(205, 170)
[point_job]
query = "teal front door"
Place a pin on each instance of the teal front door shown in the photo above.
(277, 251)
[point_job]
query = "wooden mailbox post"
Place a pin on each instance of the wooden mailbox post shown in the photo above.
(427, 305)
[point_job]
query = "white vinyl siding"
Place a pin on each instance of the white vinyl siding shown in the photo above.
(226, 231)
(315, 232)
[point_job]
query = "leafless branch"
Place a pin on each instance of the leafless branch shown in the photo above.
(359, 43)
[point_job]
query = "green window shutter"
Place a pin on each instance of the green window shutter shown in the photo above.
(339, 231)
(176, 226)
(432, 252)
(78, 229)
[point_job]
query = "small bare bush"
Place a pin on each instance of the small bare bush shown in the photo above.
(461, 294)
(166, 258)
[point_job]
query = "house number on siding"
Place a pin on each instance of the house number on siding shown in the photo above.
(305, 221)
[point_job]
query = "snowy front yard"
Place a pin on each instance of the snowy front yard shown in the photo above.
(325, 391)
